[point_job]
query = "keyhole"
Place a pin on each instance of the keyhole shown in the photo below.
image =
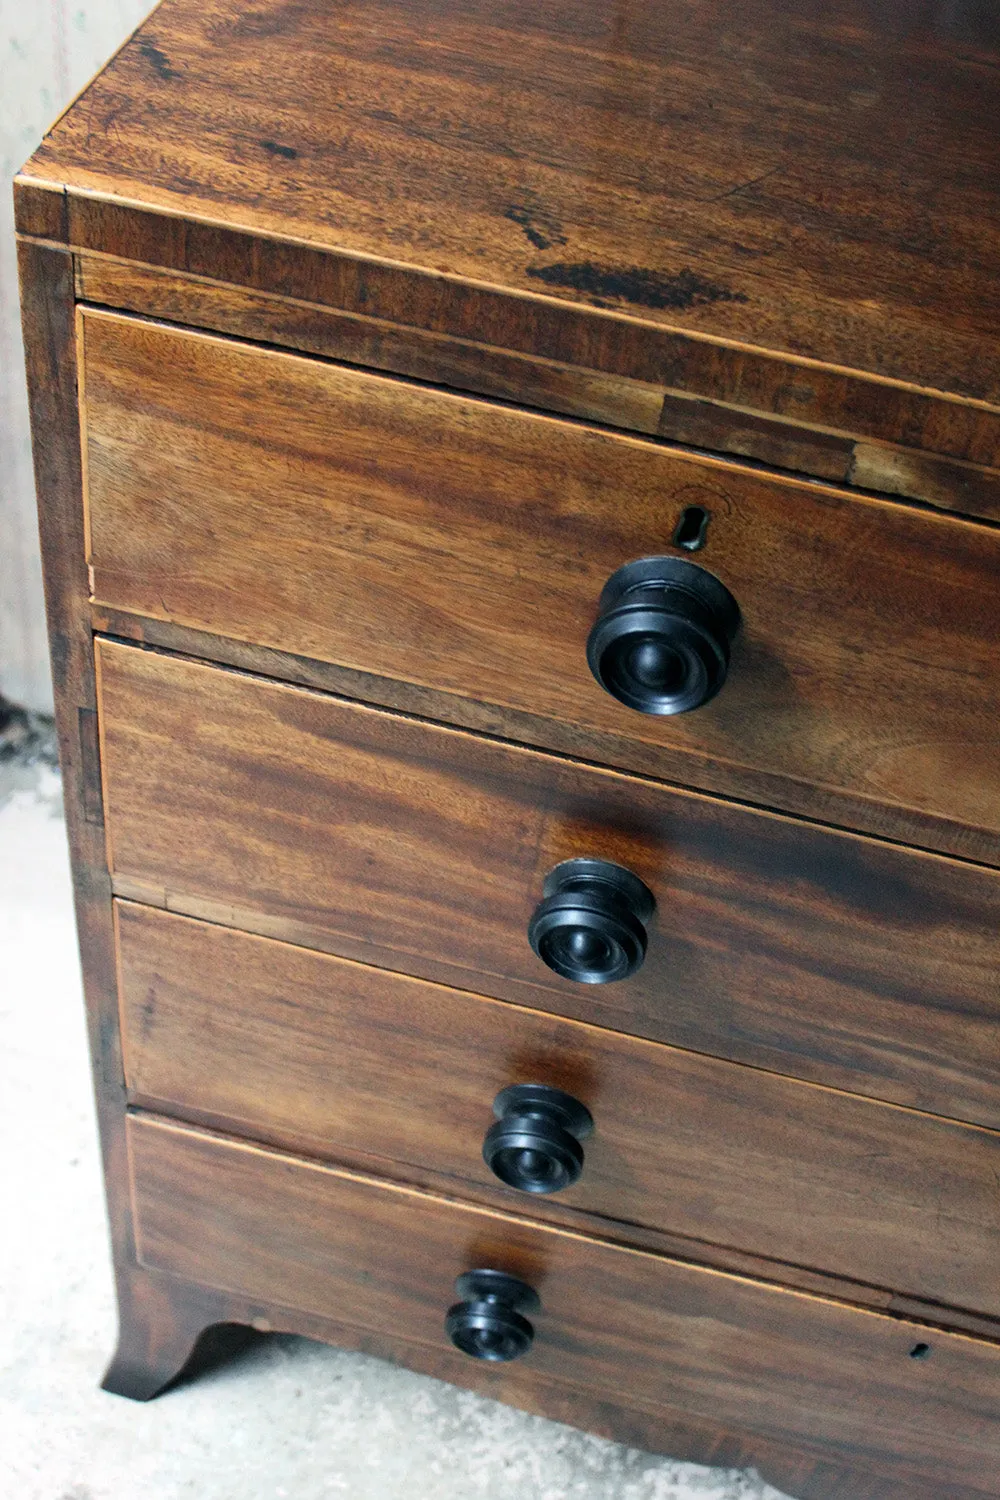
(691, 528)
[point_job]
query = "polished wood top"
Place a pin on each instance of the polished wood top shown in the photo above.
(818, 177)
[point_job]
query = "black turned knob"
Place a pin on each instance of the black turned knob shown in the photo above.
(535, 1144)
(487, 1323)
(660, 643)
(589, 925)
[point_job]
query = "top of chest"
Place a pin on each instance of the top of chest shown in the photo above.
(788, 207)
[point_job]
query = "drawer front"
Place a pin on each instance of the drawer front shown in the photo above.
(329, 1056)
(807, 951)
(641, 1328)
(448, 542)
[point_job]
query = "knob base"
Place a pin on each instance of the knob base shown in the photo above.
(584, 873)
(481, 1285)
(541, 1101)
(677, 572)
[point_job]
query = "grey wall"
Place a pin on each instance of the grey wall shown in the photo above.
(48, 51)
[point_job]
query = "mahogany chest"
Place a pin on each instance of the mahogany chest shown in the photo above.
(520, 500)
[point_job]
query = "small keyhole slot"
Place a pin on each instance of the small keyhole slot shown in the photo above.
(920, 1351)
(691, 528)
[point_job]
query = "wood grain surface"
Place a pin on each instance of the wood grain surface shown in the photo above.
(659, 763)
(332, 1057)
(464, 364)
(690, 402)
(771, 231)
(807, 177)
(816, 396)
(156, 1331)
(46, 277)
(424, 849)
(613, 1320)
(463, 545)
(174, 1309)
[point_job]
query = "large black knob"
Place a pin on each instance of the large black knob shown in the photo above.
(660, 643)
(535, 1144)
(487, 1323)
(589, 926)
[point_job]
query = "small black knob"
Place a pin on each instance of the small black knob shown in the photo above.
(487, 1323)
(589, 926)
(535, 1144)
(660, 643)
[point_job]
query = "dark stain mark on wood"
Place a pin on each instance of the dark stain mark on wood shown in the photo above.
(541, 228)
(267, 21)
(275, 148)
(633, 284)
(148, 1015)
(158, 61)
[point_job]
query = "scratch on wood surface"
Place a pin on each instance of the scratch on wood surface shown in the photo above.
(742, 187)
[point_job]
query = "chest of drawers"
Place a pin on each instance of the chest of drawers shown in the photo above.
(519, 491)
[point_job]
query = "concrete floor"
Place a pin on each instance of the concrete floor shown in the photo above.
(291, 1419)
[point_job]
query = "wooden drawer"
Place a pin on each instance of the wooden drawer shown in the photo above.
(320, 1054)
(644, 1329)
(284, 811)
(463, 545)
